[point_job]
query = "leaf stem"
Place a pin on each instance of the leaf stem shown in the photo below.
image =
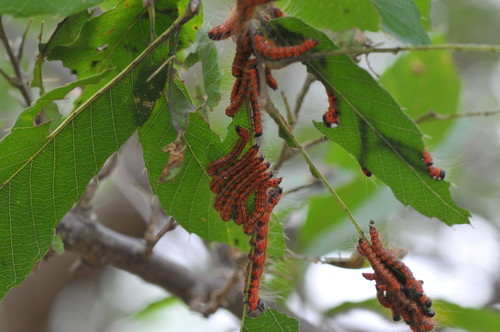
(434, 116)
(398, 49)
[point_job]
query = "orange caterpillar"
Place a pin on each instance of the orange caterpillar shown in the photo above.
(396, 287)
(249, 180)
(257, 258)
(331, 117)
(260, 204)
(434, 172)
(238, 96)
(257, 182)
(237, 21)
(220, 179)
(272, 51)
(215, 165)
(366, 172)
(227, 191)
(243, 53)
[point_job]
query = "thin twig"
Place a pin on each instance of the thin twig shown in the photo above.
(287, 152)
(23, 41)
(150, 237)
(434, 116)
(313, 183)
(91, 189)
(289, 115)
(302, 93)
(9, 79)
(20, 83)
(157, 71)
(274, 113)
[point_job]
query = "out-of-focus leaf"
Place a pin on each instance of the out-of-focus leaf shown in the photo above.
(469, 319)
(154, 307)
(270, 321)
(58, 244)
(424, 7)
(336, 14)
(25, 8)
(324, 214)
(423, 82)
(375, 130)
(447, 314)
(401, 18)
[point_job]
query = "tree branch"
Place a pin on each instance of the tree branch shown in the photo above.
(99, 245)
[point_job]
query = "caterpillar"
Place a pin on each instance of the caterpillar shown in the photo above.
(216, 165)
(261, 201)
(237, 97)
(270, 80)
(434, 172)
(407, 301)
(242, 215)
(426, 158)
(253, 77)
(379, 268)
(256, 266)
(222, 31)
(220, 179)
(272, 51)
(228, 190)
(331, 117)
(366, 172)
(243, 52)
(250, 180)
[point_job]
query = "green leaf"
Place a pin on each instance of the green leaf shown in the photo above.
(375, 130)
(187, 197)
(336, 14)
(58, 244)
(208, 56)
(66, 32)
(25, 8)
(424, 7)
(111, 40)
(469, 319)
(270, 321)
(435, 86)
(401, 18)
(153, 308)
(52, 173)
(26, 118)
(447, 314)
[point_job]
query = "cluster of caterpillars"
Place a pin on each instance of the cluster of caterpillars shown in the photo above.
(396, 287)
(245, 67)
(236, 180)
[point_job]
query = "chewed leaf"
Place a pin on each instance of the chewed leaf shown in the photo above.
(52, 171)
(26, 8)
(375, 131)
